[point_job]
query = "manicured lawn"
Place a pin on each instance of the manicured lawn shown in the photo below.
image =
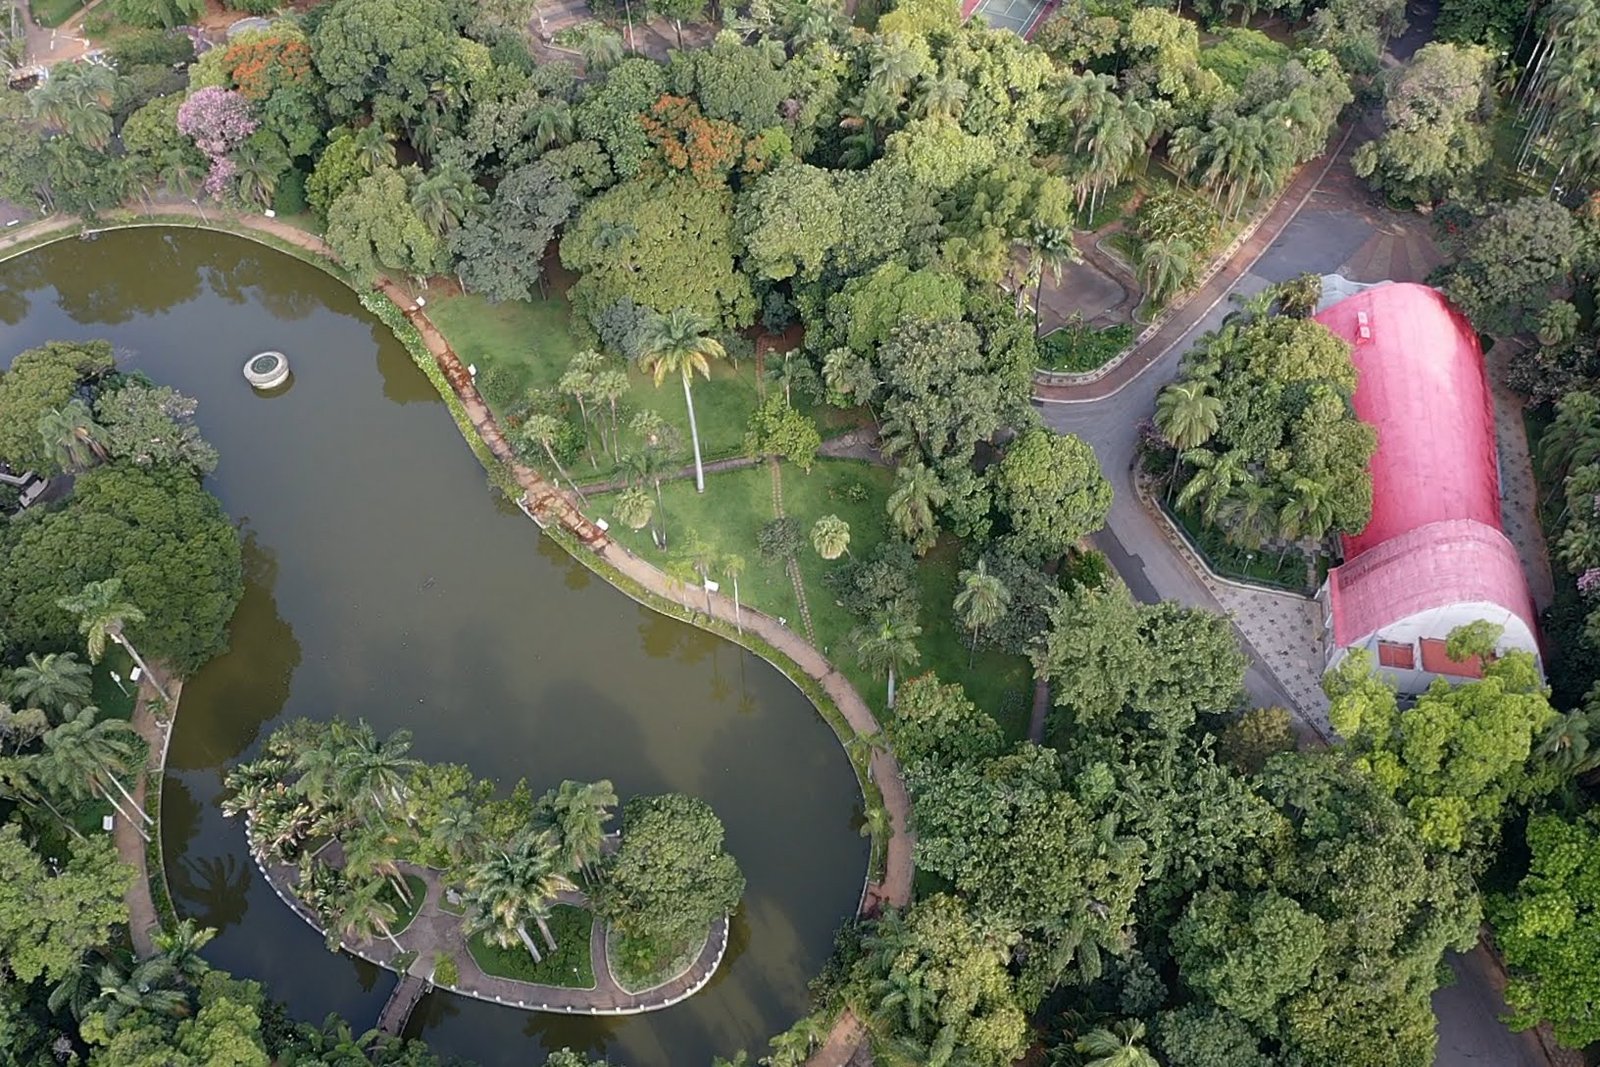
(114, 701)
(532, 338)
(405, 912)
(735, 506)
(568, 965)
(52, 13)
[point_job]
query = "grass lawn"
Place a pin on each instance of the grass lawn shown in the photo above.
(403, 912)
(733, 509)
(51, 13)
(569, 965)
(114, 701)
(532, 338)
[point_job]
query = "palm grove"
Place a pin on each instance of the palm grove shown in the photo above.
(1162, 871)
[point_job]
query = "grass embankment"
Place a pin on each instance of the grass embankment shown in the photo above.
(568, 965)
(531, 340)
(733, 509)
(639, 966)
(52, 13)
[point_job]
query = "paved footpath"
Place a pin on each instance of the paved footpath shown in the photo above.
(143, 922)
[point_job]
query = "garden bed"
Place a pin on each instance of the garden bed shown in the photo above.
(404, 912)
(634, 979)
(1078, 348)
(568, 965)
(1281, 569)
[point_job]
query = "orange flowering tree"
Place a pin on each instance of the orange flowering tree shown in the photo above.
(707, 149)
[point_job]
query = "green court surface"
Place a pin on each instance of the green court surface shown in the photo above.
(1018, 16)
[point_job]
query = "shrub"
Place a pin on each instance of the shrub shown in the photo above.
(1176, 214)
(778, 539)
(445, 971)
(776, 429)
(152, 48)
(1077, 347)
(290, 196)
(502, 384)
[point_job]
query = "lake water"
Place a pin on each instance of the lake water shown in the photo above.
(385, 580)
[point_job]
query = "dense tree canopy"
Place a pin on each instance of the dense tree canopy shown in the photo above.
(157, 530)
(39, 381)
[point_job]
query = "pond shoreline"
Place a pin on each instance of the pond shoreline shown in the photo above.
(878, 774)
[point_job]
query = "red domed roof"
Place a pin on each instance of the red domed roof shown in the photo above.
(1420, 383)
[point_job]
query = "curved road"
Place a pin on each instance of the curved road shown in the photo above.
(1333, 228)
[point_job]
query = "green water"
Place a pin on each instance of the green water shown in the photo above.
(384, 580)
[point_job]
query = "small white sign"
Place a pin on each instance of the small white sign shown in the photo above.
(421, 303)
(108, 823)
(712, 587)
(472, 369)
(269, 213)
(133, 675)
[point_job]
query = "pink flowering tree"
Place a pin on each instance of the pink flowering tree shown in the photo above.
(218, 120)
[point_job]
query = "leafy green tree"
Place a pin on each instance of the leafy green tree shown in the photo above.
(1434, 138)
(1546, 930)
(790, 220)
(938, 980)
(1247, 953)
(679, 342)
(665, 246)
(150, 425)
(500, 252)
(167, 13)
(1509, 260)
(1051, 491)
(670, 878)
(48, 920)
(39, 381)
(374, 229)
(777, 429)
(610, 114)
(386, 56)
(1457, 757)
(937, 722)
(338, 169)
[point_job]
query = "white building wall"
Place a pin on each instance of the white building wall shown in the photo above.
(1437, 623)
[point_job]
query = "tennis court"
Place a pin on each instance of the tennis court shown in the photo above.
(1021, 17)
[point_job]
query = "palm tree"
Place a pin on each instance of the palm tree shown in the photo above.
(1116, 1047)
(373, 772)
(364, 914)
(981, 601)
(1568, 744)
(634, 508)
(1187, 414)
(942, 95)
(542, 429)
(52, 682)
(444, 199)
(578, 812)
(1573, 439)
(102, 614)
(885, 646)
(73, 435)
(733, 565)
(257, 173)
(145, 988)
(1251, 514)
(372, 852)
(1308, 511)
(600, 46)
(896, 63)
(650, 465)
(1050, 250)
(830, 536)
(917, 492)
(1214, 480)
(180, 948)
(1166, 265)
(513, 886)
(578, 382)
(611, 385)
(374, 148)
(678, 342)
(86, 754)
(458, 829)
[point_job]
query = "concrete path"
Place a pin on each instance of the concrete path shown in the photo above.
(433, 932)
(143, 922)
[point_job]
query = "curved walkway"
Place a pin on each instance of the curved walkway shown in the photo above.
(434, 931)
(549, 503)
(143, 918)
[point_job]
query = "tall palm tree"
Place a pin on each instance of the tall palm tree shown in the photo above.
(650, 466)
(733, 566)
(373, 852)
(830, 536)
(1214, 479)
(897, 62)
(1118, 1046)
(72, 434)
(577, 812)
(364, 914)
(942, 95)
(512, 886)
(458, 829)
(679, 342)
(86, 755)
(889, 644)
(981, 601)
(52, 681)
(1187, 414)
(542, 429)
(102, 615)
(1050, 249)
(445, 199)
(1308, 511)
(1166, 266)
(634, 508)
(257, 173)
(1252, 514)
(917, 492)
(373, 773)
